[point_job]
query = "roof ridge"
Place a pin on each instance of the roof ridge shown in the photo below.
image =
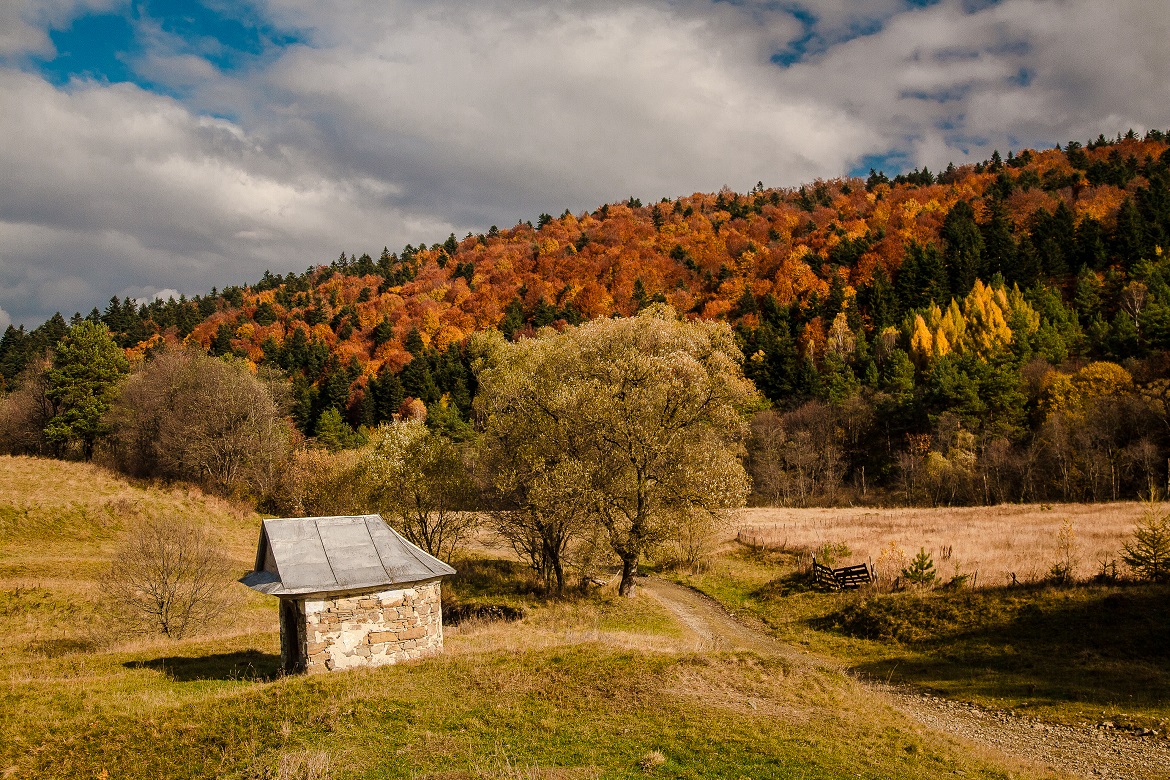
(401, 561)
(412, 547)
(369, 533)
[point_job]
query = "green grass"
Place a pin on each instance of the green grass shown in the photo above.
(586, 687)
(587, 707)
(1065, 654)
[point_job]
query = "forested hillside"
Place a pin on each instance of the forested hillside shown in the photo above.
(998, 331)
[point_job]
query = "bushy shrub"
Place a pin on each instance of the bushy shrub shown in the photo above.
(184, 415)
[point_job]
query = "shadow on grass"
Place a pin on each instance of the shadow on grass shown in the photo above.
(244, 665)
(479, 577)
(488, 589)
(1094, 645)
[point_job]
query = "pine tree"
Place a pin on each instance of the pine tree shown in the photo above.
(999, 246)
(83, 382)
(1148, 553)
(964, 247)
(920, 572)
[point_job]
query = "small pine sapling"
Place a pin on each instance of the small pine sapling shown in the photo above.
(920, 572)
(1148, 552)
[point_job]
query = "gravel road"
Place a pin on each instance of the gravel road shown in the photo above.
(1099, 751)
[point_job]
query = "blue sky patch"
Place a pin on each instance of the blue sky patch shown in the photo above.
(890, 163)
(93, 47)
(104, 47)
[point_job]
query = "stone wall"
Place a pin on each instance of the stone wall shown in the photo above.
(372, 628)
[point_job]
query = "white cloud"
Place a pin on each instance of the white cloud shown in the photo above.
(399, 122)
(946, 84)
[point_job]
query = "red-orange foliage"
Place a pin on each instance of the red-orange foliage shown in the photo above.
(701, 253)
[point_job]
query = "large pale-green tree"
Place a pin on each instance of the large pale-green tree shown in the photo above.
(631, 425)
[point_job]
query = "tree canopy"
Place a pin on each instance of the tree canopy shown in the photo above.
(632, 424)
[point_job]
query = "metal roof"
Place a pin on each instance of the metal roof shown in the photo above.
(303, 555)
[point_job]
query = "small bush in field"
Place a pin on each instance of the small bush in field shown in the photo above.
(832, 553)
(167, 576)
(1064, 570)
(1148, 552)
(920, 572)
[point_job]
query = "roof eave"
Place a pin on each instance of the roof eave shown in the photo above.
(269, 587)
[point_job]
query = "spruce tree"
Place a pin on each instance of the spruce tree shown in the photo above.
(83, 382)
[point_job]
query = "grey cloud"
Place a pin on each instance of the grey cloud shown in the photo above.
(401, 122)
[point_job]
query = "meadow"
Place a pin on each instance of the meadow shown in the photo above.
(988, 544)
(1088, 653)
(595, 686)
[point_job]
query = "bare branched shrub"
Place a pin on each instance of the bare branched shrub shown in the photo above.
(185, 415)
(167, 576)
(1068, 559)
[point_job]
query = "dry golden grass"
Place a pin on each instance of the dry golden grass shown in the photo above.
(993, 541)
(59, 525)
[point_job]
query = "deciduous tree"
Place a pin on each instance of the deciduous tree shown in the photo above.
(644, 414)
(418, 478)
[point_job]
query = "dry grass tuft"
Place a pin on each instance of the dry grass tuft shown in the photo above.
(304, 765)
(994, 542)
(652, 761)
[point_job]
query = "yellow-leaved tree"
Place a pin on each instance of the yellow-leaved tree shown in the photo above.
(921, 341)
(632, 428)
(1072, 393)
(987, 329)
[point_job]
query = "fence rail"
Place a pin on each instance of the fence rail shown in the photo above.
(844, 578)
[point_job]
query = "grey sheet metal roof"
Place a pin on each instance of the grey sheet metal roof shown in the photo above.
(303, 555)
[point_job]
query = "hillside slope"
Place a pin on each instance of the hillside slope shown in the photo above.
(932, 304)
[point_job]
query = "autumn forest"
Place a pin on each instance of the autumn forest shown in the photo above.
(989, 333)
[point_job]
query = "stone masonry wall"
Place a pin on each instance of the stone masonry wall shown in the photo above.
(373, 628)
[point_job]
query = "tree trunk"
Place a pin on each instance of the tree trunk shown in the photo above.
(629, 571)
(559, 571)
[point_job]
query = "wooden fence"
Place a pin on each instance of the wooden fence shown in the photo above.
(845, 578)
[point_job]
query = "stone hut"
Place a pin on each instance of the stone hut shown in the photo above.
(353, 592)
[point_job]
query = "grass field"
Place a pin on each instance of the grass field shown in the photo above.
(595, 687)
(991, 542)
(1069, 654)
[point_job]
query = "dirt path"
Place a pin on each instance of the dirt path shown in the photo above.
(1079, 752)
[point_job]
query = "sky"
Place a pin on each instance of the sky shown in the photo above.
(160, 147)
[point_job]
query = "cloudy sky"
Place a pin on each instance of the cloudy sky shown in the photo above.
(175, 145)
